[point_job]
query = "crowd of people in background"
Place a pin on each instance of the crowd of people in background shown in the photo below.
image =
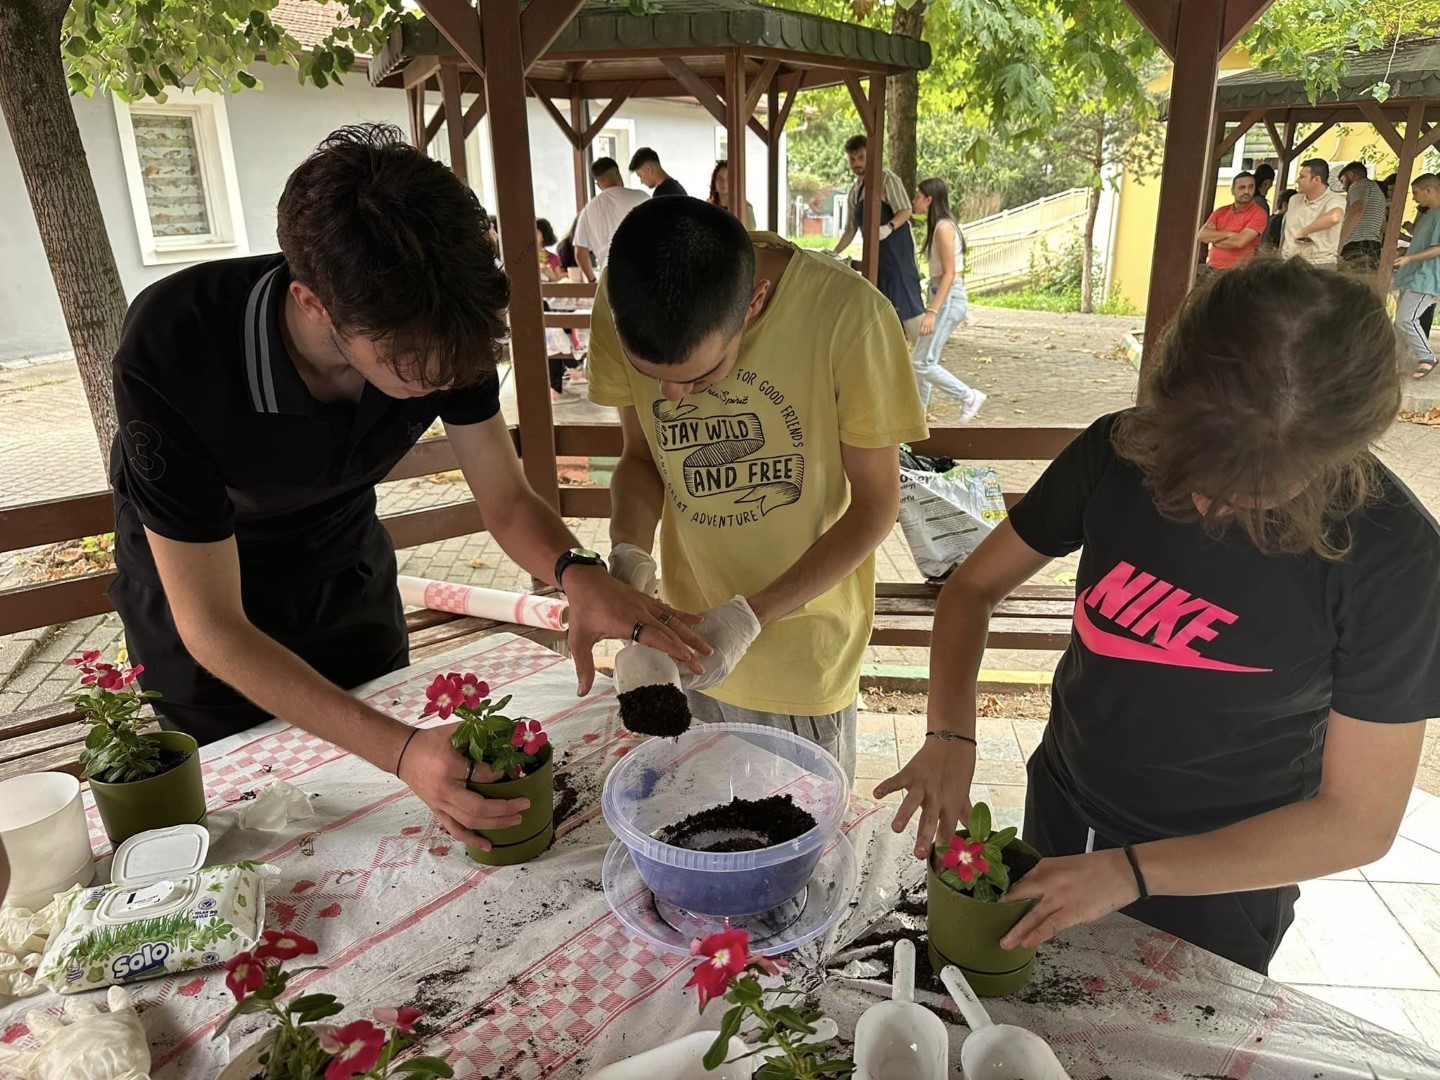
(1342, 230)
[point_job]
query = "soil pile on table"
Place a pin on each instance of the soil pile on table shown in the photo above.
(655, 710)
(739, 825)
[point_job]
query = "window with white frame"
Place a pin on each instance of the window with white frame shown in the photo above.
(180, 170)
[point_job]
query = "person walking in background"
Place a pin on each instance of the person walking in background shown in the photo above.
(602, 215)
(645, 164)
(720, 192)
(1312, 221)
(1264, 181)
(1273, 231)
(1233, 232)
(899, 275)
(945, 256)
(559, 346)
(1364, 221)
(1417, 278)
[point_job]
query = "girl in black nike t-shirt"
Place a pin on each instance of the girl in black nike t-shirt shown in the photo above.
(1256, 639)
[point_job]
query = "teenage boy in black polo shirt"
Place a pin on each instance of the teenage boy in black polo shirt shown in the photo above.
(261, 399)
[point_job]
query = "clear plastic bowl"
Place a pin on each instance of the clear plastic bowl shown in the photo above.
(663, 781)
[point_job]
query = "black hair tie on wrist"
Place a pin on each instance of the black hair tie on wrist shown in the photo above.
(952, 736)
(1135, 869)
(401, 759)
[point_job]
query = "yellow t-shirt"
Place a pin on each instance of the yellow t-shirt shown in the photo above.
(753, 474)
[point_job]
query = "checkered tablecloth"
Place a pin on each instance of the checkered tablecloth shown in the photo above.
(525, 973)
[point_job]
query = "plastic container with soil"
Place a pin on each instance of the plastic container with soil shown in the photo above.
(965, 932)
(173, 797)
(523, 842)
(662, 782)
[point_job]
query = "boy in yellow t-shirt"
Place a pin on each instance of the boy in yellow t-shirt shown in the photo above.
(763, 391)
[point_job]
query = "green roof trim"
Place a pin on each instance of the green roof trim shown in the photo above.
(702, 25)
(1412, 70)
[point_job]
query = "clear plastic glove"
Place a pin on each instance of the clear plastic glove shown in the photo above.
(730, 630)
(22, 941)
(885, 231)
(635, 568)
(85, 1044)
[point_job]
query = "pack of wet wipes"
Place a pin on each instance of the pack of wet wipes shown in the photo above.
(165, 912)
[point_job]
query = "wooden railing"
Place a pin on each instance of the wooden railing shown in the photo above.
(34, 524)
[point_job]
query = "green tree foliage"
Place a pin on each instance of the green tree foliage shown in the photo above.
(139, 48)
(1315, 39)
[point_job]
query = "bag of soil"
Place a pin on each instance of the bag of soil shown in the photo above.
(945, 514)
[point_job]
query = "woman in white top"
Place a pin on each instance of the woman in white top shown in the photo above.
(720, 192)
(944, 255)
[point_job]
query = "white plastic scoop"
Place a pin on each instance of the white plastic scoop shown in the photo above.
(998, 1051)
(898, 1039)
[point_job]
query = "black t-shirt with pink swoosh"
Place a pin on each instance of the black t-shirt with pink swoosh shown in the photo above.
(1200, 672)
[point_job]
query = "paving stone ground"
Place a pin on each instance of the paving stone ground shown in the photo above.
(1038, 369)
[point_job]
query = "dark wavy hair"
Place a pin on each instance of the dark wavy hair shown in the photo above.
(1264, 399)
(398, 250)
(938, 192)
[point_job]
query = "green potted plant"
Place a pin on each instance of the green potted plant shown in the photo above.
(966, 912)
(141, 780)
(301, 1046)
(518, 755)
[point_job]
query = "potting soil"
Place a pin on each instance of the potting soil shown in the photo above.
(660, 710)
(740, 825)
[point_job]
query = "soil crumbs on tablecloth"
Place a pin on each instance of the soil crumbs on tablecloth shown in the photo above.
(655, 710)
(739, 825)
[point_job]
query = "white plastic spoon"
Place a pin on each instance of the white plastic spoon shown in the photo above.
(998, 1051)
(899, 1039)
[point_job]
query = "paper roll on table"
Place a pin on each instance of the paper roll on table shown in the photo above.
(546, 612)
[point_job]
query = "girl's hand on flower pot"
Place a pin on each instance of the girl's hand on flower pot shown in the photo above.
(1071, 890)
(436, 771)
(602, 607)
(937, 783)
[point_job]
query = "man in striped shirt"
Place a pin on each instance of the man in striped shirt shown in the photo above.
(1364, 220)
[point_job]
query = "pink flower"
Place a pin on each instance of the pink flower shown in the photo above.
(402, 1018)
(444, 694)
(726, 955)
(105, 676)
(472, 690)
(129, 675)
(529, 737)
(768, 965)
(246, 974)
(281, 946)
(965, 858)
(85, 659)
(356, 1047)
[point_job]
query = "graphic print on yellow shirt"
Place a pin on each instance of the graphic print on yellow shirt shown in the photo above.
(753, 472)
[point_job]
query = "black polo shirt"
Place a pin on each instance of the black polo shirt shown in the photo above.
(219, 436)
(668, 186)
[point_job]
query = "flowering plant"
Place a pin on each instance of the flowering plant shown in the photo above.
(486, 736)
(116, 750)
(788, 1042)
(974, 860)
(306, 1049)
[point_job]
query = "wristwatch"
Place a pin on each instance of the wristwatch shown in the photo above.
(576, 557)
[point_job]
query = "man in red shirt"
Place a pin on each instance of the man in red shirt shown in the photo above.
(1233, 232)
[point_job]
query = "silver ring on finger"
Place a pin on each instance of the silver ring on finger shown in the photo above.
(637, 631)
(665, 619)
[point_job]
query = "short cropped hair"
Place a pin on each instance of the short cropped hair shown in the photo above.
(679, 271)
(1243, 176)
(1429, 181)
(604, 167)
(1318, 166)
(644, 156)
(1264, 172)
(855, 143)
(1359, 168)
(398, 251)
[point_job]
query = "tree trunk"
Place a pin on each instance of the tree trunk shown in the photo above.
(902, 101)
(1092, 211)
(36, 103)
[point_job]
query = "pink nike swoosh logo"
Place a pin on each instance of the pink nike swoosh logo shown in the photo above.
(1104, 643)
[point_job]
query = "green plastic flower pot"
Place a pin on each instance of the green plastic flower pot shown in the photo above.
(523, 842)
(176, 797)
(967, 933)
